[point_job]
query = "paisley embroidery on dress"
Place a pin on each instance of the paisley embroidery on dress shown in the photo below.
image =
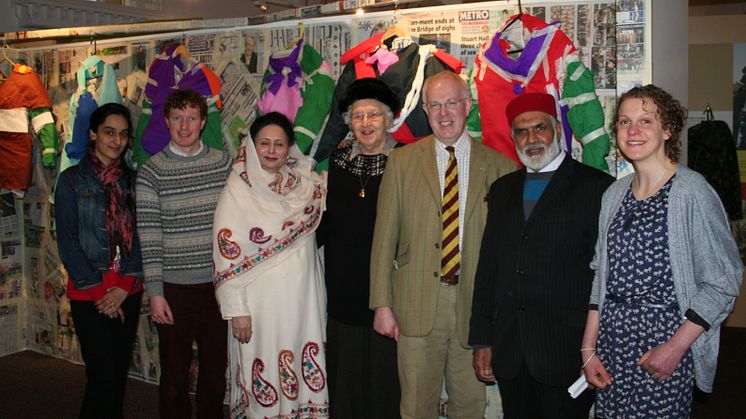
(307, 410)
(244, 393)
(294, 233)
(288, 378)
(283, 186)
(256, 235)
(264, 393)
(312, 374)
(318, 193)
(241, 158)
(245, 177)
(228, 249)
(286, 224)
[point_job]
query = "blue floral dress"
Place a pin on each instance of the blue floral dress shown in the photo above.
(640, 313)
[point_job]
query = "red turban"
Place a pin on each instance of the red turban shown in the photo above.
(528, 102)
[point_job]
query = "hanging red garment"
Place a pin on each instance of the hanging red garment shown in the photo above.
(25, 108)
(549, 63)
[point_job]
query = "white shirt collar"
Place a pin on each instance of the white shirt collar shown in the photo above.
(460, 145)
(552, 166)
(178, 152)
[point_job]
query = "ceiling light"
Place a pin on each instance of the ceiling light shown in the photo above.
(360, 11)
(262, 5)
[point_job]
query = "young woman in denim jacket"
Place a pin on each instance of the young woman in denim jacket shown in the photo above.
(98, 244)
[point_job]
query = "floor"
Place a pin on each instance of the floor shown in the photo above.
(36, 386)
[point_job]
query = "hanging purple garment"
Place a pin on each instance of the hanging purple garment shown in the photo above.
(525, 65)
(161, 82)
(283, 85)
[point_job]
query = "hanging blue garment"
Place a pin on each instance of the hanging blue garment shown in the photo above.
(83, 103)
(86, 106)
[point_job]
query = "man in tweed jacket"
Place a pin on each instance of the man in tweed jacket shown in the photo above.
(426, 313)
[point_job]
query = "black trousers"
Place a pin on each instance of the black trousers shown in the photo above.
(523, 398)
(196, 317)
(106, 346)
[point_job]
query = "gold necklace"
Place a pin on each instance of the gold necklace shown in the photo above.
(361, 194)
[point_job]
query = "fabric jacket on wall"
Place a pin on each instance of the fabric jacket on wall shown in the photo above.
(405, 78)
(166, 73)
(712, 152)
(23, 99)
(86, 99)
(549, 63)
(309, 81)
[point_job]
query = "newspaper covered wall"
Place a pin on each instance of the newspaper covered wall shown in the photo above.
(34, 312)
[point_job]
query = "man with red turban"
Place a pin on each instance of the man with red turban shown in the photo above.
(533, 277)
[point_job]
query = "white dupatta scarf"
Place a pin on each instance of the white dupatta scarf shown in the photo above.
(260, 216)
(267, 267)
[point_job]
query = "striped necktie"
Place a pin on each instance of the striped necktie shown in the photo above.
(450, 257)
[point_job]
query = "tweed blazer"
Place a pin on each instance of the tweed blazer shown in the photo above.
(405, 261)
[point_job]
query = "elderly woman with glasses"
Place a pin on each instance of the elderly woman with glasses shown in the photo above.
(361, 364)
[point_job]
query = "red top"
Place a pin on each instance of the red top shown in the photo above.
(110, 279)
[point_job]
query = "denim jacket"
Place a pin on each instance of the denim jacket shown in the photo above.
(82, 239)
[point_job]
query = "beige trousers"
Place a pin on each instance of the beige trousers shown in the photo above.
(425, 361)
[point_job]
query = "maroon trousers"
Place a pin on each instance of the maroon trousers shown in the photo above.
(196, 317)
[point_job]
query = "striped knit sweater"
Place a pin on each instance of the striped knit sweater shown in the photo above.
(176, 199)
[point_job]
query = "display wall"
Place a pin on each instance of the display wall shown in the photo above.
(612, 38)
(717, 58)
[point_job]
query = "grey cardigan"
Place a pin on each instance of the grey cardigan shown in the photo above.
(705, 263)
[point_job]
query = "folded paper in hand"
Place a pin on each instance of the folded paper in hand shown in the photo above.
(577, 387)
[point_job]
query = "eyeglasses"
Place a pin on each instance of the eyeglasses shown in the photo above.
(372, 116)
(449, 104)
(522, 133)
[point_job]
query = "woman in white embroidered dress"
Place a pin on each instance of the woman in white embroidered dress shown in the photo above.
(268, 277)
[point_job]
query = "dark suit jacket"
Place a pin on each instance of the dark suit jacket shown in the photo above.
(533, 277)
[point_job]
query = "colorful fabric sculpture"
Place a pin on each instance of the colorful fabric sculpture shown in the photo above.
(298, 83)
(166, 73)
(404, 75)
(549, 63)
(23, 99)
(87, 98)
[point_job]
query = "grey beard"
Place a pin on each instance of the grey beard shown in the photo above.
(537, 163)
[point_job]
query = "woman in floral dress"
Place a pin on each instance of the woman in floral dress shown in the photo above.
(667, 272)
